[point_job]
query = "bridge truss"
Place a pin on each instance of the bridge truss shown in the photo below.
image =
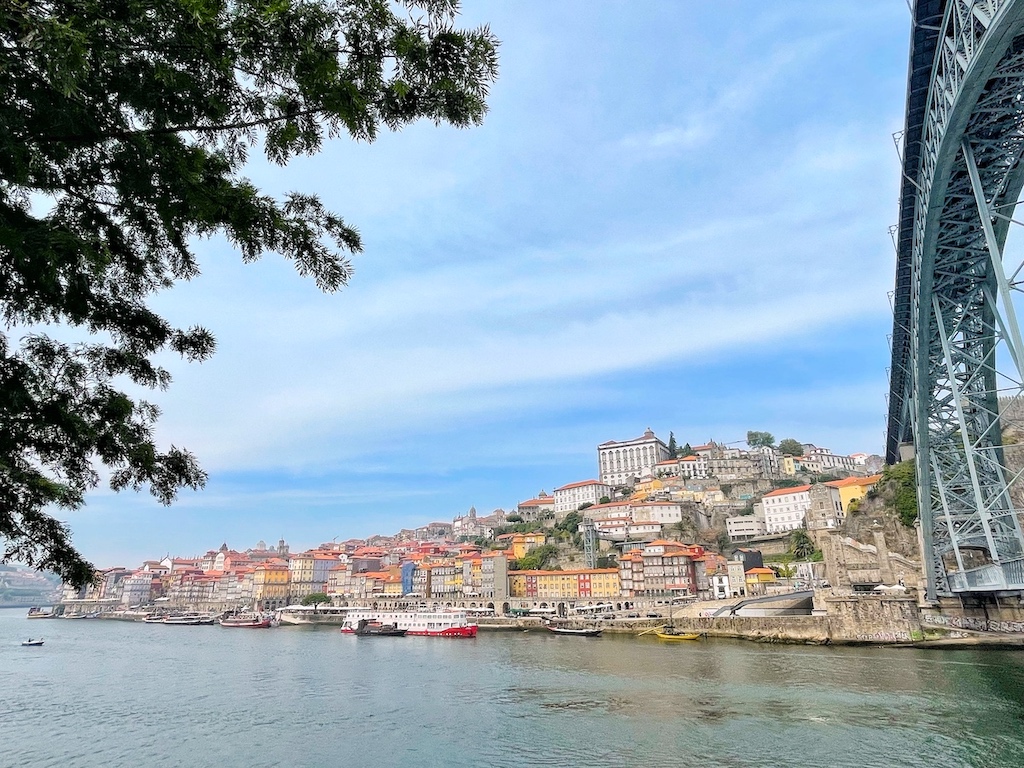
(958, 356)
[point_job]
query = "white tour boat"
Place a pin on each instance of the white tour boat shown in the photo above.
(426, 623)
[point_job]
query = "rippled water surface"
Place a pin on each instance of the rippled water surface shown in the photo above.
(105, 693)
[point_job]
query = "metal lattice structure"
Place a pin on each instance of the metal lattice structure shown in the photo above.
(958, 357)
(589, 531)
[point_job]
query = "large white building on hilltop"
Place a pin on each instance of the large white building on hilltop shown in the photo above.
(569, 497)
(620, 462)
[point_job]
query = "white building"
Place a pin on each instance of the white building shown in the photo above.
(786, 508)
(620, 462)
(624, 529)
(693, 467)
(744, 527)
(569, 497)
(829, 460)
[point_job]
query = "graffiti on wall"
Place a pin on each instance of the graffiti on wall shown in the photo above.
(974, 623)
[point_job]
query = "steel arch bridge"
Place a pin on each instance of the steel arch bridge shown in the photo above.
(957, 353)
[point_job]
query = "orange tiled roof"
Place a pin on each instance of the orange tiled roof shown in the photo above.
(580, 484)
(786, 491)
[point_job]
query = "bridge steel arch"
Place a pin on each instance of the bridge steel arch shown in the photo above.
(958, 357)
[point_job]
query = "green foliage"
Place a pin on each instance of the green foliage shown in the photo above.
(519, 528)
(584, 505)
(673, 449)
(686, 451)
(606, 561)
(784, 570)
(126, 127)
(791, 447)
(801, 545)
(571, 522)
(315, 599)
(536, 559)
(786, 482)
(853, 507)
(514, 518)
(817, 556)
(900, 481)
(826, 478)
(760, 439)
(604, 500)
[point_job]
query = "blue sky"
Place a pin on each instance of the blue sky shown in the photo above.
(674, 216)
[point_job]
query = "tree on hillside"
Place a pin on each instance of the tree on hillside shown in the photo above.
(126, 125)
(801, 544)
(760, 439)
(687, 451)
(673, 449)
(791, 447)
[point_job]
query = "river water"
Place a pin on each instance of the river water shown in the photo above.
(108, 693)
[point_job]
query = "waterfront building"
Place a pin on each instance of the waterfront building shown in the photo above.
(270, 585)
(786, 508)
(737, 578)
(620, 462)
(137, 588)
(670, 568)
(446, 580)
(308, 572)
(580, 584)
(570, 497)
(494, 575)
(758, 579)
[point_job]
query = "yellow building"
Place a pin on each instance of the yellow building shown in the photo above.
(757, 579)
(788, 466)
(565, 585)
(524, 542)
(853, 488)
(270, 585)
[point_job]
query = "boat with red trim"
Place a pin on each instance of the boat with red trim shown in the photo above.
(247, 621)
(422, 623)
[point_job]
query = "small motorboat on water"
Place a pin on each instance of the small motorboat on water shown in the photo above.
(30, 641)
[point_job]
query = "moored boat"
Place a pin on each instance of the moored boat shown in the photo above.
(188, 619)
(570, 632)
(35, 612)
(367, 628)
(671, 633)
(421, 623)
(246, 621)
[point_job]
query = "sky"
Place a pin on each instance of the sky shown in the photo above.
(674, 216)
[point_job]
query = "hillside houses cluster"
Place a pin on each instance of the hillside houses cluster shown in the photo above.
(643, 503)
(643, 492)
